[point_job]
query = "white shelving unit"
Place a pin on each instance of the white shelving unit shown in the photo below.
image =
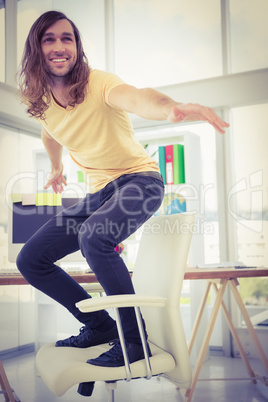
(192, 189)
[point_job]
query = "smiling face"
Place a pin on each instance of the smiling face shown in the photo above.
(59, 49)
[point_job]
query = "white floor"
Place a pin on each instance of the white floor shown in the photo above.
(29, 387)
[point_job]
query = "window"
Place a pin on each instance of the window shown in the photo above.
(2, 41)
(166, 42)
(249, 34)
(208, 192)
(248, 202)
(27, 12)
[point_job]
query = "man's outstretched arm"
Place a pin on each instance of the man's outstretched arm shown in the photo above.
(153, 105)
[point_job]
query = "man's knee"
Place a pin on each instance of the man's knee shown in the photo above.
(30, 259)
(23, 260)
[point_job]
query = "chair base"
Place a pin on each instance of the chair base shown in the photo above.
(110, 386)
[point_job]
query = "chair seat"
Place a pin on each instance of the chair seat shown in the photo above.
(63, 367)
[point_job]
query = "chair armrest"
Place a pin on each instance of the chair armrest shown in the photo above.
(128, 300)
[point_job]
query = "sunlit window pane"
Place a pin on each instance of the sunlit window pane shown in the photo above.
(2, 42)
(27, 12)
(248, 204)
(249, 34)
(249, 127)
(165, 42)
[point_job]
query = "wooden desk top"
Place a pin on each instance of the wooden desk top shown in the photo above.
(17, 279)
(224, 273)
(190, 273)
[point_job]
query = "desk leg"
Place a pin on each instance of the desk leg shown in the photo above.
(205, 343)
(198, 318)
(7, 391)
(236, 338)
(233, 285)
(3, 388)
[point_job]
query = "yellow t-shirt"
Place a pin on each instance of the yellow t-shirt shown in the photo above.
(99, 138)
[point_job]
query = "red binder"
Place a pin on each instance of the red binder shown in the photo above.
(169, 164)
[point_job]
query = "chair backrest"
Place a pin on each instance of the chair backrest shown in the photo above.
(159, 271)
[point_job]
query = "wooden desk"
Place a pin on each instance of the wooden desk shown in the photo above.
(191, 273)
(219, 279)
(17, 279)
(224, 273)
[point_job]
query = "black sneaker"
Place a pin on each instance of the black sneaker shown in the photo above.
(114, 357)
(89, 337)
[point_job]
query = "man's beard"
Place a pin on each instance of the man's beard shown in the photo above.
(55, 74)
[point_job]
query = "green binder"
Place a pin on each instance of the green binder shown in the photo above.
(178, 164)
(162, 162)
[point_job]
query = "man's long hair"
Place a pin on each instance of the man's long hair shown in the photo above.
(33, 77)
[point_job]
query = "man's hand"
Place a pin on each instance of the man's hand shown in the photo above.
(195, 112)
(56, 180)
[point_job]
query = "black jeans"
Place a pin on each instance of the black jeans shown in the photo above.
(95, 225)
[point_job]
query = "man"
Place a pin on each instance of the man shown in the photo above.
(85, 111)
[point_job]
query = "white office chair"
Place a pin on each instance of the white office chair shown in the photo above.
(158, 276)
